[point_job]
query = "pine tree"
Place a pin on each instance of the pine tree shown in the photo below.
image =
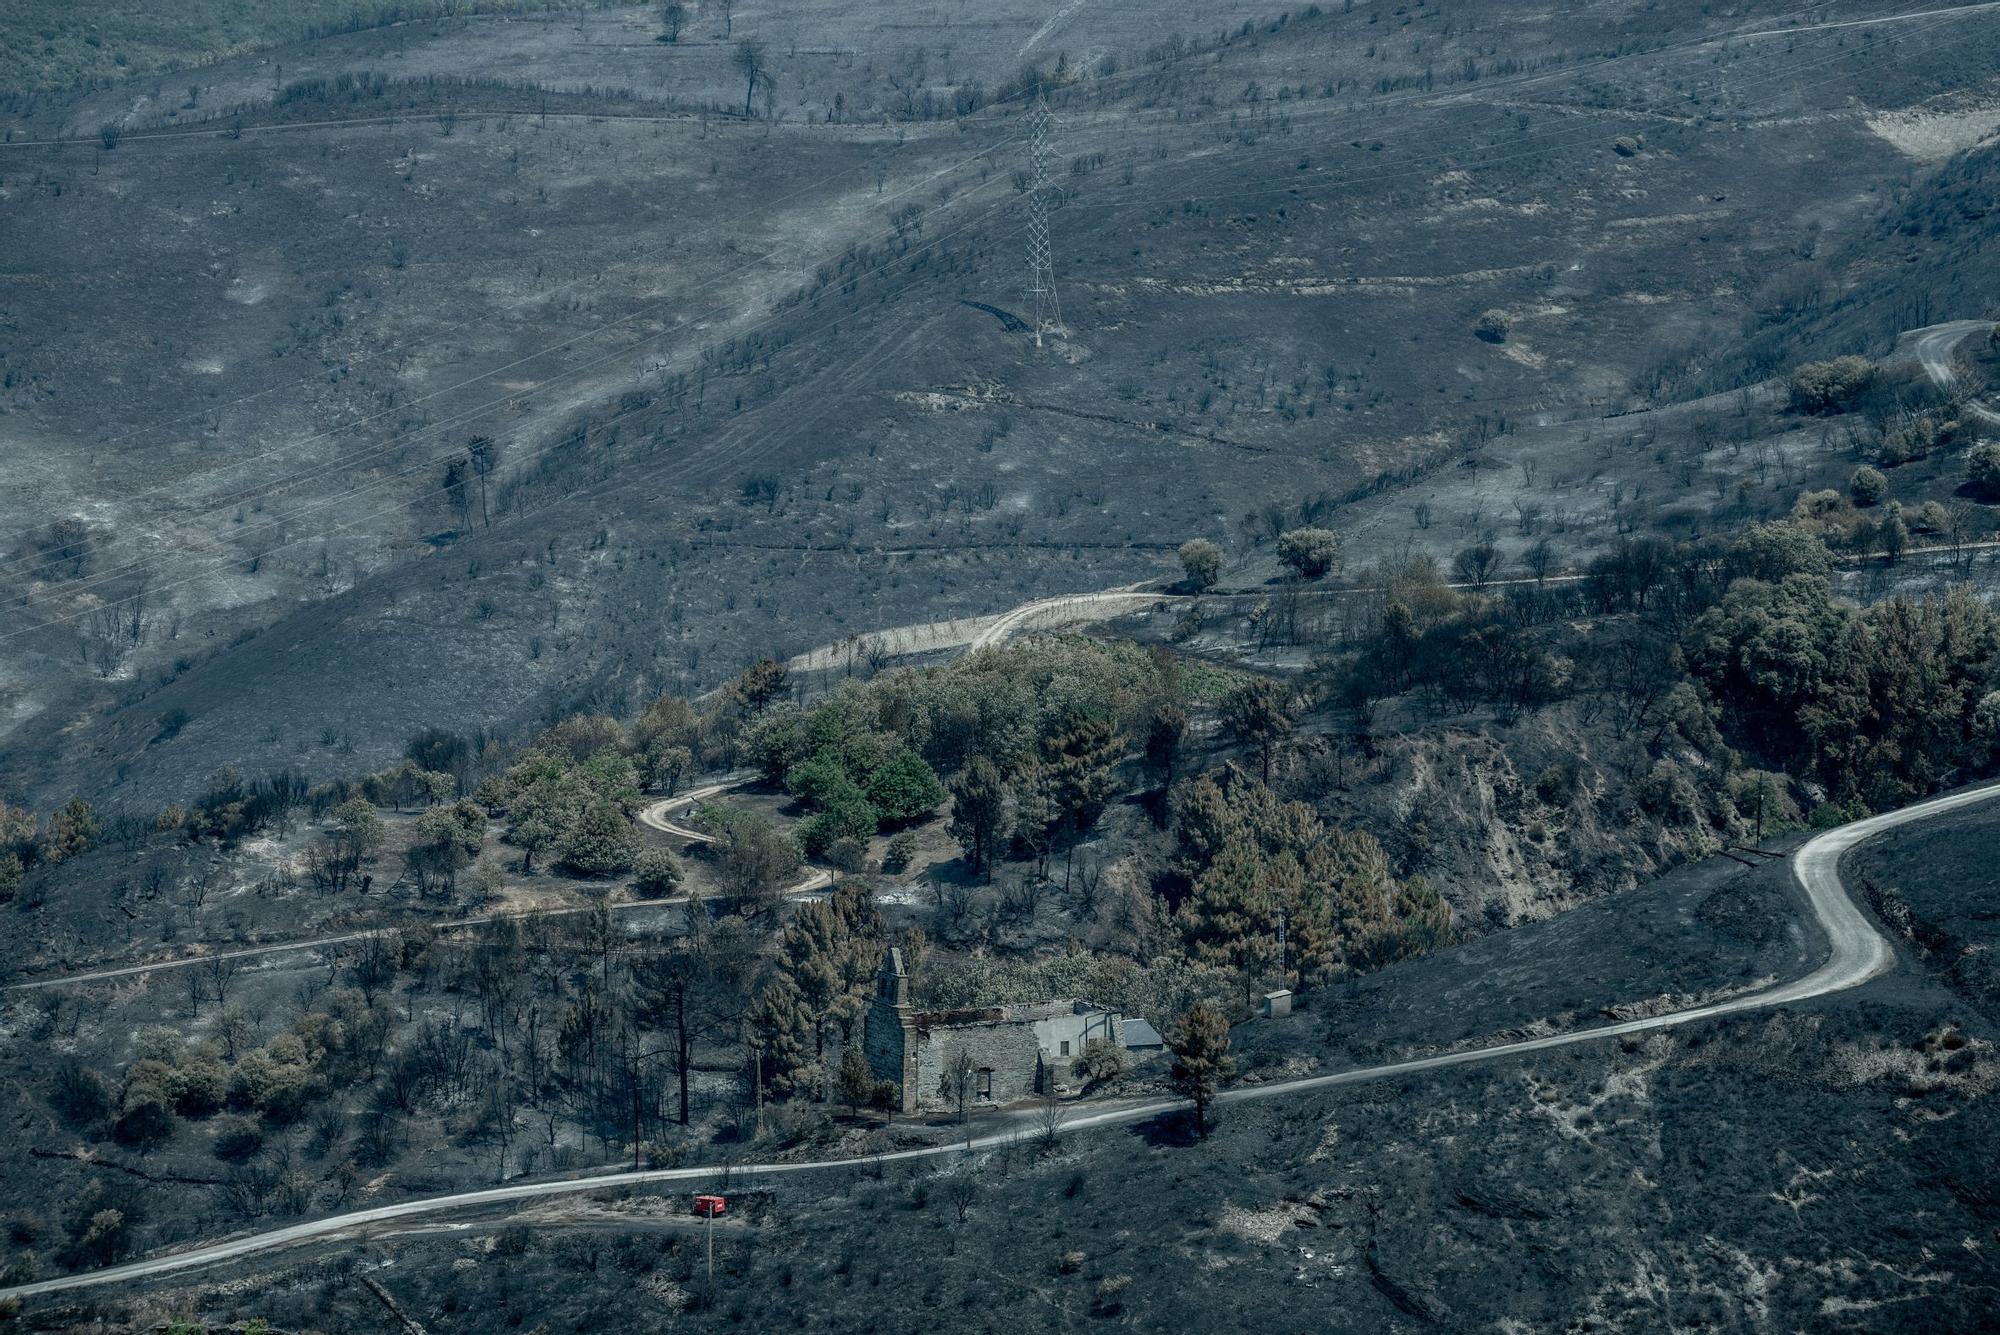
(782, 1030)
(855, 1082)
(904, 789)
(979, 812)
(1199, 1041)
(1258, 714)
(1231, 915)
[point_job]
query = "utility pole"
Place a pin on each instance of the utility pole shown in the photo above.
(1044, 313)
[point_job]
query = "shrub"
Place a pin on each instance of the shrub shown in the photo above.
(658, 873)
(1201, 562)
(601, 842)
(198, 1088)
(1828, 387)
(851, 819)
(145, 1120)
(1867, 486)
(80, 1094)
(277, 1088)
(1668, 793)
(1102, 1060)
(1913, 438)
(237, 1137)
(1763, 800)
(1558, 783)
(1932, 518)
(1310, 552)
(847, 855)
(1982, 470)
(1492, 327)
(902, 852)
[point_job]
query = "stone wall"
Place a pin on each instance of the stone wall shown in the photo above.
(1006, 1047)
(886, 1043)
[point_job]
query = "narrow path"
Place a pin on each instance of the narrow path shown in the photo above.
(1856, 952)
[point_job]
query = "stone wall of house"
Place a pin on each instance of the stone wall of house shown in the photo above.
(885, 1042)
(1006, 1047)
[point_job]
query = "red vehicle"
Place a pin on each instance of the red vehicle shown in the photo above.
(710, 1206)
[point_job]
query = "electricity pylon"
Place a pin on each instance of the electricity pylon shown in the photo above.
(1044, 313)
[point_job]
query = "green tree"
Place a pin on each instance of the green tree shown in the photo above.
(357, 831)
(543, 800)
(1982, 470)
(1866, 486)
(1258, 714)
(144, 1119)
(609, 775)
(902, 851)
(1199, 1041)
(1231, 915)
(848, 818)
(854, 1082)
(600, 841)
(1770, 552)
(1309, 552)
(782, 1031)
(1201, 562)
(759, 684)
(904, 790)
(1892, 536)
(657, 874)
(752, 857)
(979, 813)
(445, 845)
(667, 767)
(1082, 757)
(1101, 1061)
(1166, 733)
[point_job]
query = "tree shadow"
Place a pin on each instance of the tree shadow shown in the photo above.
(1169, 1130)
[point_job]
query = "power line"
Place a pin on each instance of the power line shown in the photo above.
(1053, 326)
(1043, 309)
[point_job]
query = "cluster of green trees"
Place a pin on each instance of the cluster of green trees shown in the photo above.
(572, 800)
(1047, 799)
(1030, 736)
(853, 775)
(1875, 704)
(1731, 649)
(171, 1080)
(1831, 386)
(1272, 891)
(817, 986)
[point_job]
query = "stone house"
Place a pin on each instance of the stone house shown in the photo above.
(1013, 1051)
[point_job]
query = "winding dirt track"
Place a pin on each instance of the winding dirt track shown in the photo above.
(655, 816)
(1934, 347)
(1856, 953)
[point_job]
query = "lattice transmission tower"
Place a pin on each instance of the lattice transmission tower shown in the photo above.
(1044, 312)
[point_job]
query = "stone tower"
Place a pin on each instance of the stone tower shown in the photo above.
(889, 1036)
